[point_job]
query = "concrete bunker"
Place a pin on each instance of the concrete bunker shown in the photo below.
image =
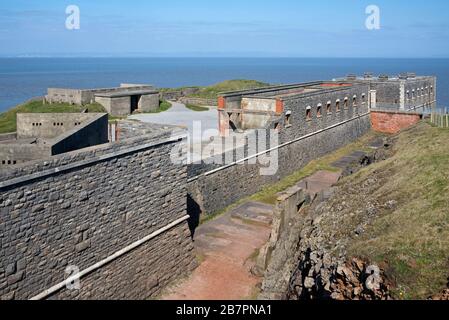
(121, 104)
(119, 101)
(42, 135)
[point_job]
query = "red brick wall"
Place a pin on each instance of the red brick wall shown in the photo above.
(279, 106)
(391, 122)
(221, 103)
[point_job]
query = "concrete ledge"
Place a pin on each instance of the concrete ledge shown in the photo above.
(8, 136)
(396, 111)
(126, 93)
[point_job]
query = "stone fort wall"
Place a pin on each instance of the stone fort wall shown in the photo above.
(80, 209)
(213, 187)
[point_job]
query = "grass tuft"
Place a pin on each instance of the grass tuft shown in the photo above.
(196, 108)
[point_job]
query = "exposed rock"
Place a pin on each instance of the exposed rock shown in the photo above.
(442, 296)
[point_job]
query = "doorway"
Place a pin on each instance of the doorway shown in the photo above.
(135, 103)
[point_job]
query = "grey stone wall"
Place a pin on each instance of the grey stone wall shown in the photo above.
(299, 125)
(175, 94)
(199, 101)
(81, 207)
(416, 98)
(107, 103)
(143, 273)
(388, 94)
(392, 92)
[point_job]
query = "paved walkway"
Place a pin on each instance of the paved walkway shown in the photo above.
(319, 181)
(228, 245)
(179, 115)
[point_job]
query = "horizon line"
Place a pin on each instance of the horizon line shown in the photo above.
(202, 57)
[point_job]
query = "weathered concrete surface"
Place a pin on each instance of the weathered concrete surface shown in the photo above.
(149, 102)
(319, 181)
(50, 125)
(115, 106)
(227, 247)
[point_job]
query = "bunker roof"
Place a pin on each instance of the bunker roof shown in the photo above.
(126, 93)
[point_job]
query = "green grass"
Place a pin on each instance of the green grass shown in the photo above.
(163, 106)
(8, 118)
(196, 108)
(413, 239)
(212, 92)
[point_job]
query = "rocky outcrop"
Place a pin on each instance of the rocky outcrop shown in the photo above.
(324, 270)
(319, 276)
(442, 296)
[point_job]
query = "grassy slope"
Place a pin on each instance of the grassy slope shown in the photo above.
(211, 92)
(413, 239)
(8, 118)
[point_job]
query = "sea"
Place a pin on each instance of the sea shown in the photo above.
(25, 78)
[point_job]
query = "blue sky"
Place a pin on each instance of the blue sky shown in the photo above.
(272, 28)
